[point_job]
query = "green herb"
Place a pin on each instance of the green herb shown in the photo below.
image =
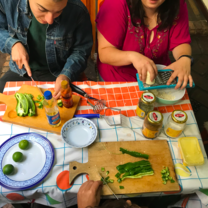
(102, 169)
(121, 187)
(133, 153)
(107, 172)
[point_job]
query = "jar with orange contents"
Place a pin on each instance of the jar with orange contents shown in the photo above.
(152, 124)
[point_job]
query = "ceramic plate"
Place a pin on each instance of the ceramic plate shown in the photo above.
(36, 164)
(79, 132)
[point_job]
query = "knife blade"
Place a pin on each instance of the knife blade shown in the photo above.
(36, 85)
(108, 187)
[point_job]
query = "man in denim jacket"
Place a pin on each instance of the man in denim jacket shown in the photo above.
(49, 40)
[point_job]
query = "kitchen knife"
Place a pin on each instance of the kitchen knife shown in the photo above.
(37, 86)
(108, 186)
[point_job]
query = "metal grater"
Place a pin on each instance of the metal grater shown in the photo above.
(160, 81)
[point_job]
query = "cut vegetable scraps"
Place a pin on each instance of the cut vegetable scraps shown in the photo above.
(40, 100)
(166, 176)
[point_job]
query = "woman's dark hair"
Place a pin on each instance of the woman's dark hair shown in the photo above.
(167, 12)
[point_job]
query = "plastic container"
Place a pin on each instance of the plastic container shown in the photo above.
(190, 151)
(51, 109)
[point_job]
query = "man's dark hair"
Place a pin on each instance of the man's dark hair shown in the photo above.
(167, 12)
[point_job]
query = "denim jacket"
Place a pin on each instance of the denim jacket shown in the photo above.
(68, 40)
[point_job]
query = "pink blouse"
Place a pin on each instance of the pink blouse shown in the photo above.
(114, 23)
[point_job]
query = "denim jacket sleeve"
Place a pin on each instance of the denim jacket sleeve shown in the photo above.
(7, 40)
(77, 61)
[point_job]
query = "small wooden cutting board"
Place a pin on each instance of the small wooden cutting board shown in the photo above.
(40, 120)
(107, 155)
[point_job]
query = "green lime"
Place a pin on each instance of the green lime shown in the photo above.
(8, 169)
(17, 156)
(23, 144)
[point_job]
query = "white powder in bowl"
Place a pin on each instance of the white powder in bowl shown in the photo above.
(163, 94)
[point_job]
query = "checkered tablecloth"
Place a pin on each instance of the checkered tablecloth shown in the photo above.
(55, 190)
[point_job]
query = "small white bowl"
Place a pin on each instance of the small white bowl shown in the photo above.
(79, 132)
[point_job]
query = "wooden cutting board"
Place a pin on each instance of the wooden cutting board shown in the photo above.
(107, 155)
(40, 120)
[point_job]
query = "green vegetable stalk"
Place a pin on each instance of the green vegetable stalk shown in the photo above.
(22, 104)
(31, 108)
(133, 153)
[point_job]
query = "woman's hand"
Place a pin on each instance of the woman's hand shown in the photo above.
(182, 70)
(89, 194)
(57, 91)
(143, 64)
(20, 57)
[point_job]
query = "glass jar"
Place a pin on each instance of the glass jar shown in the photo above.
(176, 123)
(152, 124)
(146, 104)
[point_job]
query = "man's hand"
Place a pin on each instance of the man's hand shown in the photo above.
(89, 194)
(57, 91)
(182, 70)
(20, 57)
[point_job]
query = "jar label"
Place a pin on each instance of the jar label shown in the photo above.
(149, 97)
(173, 133)
(68, 103)
(179, 115)
(155, 116)
(54, 120)
(140, 112)
(149, 133)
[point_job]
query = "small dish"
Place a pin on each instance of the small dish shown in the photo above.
(79, 132)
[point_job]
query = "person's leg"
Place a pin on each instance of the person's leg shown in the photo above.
(10, 76)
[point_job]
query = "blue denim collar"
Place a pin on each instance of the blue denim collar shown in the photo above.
(24, 6)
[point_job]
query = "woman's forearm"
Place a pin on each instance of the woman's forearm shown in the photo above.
(183, 49)
(115, 57)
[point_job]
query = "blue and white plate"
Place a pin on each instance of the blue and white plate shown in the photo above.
(36, 164)
(79, 132)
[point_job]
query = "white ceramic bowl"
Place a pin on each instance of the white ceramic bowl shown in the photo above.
(79, 132)
(178, 94)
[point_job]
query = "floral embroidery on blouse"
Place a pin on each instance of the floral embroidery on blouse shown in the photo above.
(161, 36)
(138, 33)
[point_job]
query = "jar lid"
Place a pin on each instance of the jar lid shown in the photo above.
(155, 117)
(179, 116)
(148, 98)
(64, 84)
(47, 95)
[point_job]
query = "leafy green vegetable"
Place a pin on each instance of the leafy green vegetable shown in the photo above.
(117, 175)
(31, 107)
(134, 170)
(133, 153)
(121, 187)
(22, 104)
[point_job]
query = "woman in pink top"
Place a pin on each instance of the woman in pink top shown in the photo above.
(134, 35)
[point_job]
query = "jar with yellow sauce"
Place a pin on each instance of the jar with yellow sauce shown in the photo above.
(145, 104)
(152, 124)
(176, 123)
